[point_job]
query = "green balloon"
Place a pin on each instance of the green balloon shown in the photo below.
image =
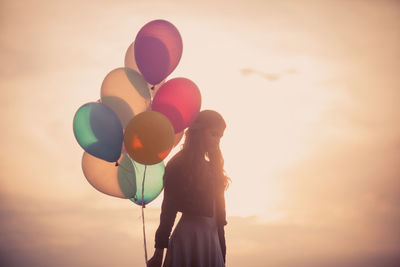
(153, 181)
(98, 131)
(82, 127)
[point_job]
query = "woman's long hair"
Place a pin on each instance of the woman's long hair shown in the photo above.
(193, 153)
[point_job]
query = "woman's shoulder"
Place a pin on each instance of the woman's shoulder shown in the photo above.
(175, 161)
(174, 166)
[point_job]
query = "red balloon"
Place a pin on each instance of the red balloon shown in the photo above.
(179, 99)
(158, 49)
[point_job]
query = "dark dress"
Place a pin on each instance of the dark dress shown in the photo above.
(198, 239)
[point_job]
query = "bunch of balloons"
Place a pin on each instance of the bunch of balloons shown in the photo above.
(140, 117)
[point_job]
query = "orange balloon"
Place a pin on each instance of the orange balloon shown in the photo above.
(125, 91)
(103, 175)
(149, 137)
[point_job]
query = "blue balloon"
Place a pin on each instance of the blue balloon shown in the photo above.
(99, 131)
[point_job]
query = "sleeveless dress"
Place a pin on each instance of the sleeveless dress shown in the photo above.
(195, 243)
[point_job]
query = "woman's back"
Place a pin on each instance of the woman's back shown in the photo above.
(194, 185)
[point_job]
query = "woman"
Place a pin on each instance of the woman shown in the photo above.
(194, 185)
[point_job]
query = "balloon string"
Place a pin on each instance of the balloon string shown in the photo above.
(143, 206)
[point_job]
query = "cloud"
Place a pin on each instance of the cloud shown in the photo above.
(41, 233)
(267, 76)
(108, 232)
(263, 244)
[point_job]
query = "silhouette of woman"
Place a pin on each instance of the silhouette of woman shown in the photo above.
(194, 185)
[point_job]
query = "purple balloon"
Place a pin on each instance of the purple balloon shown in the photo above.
(158, 50)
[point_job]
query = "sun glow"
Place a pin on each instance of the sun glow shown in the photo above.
(269, 129)
(272, 111)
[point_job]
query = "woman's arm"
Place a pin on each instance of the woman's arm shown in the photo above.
(167, 219)
(157, 258)
(168, 209)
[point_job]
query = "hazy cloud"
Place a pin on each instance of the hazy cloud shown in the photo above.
(38, 233)
(268, 76)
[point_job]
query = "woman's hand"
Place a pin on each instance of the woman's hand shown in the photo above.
(157, 258)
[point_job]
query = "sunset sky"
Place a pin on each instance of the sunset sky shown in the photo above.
(310, 91)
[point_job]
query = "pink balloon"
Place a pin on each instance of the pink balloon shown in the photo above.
(179, 100)
(158, 49)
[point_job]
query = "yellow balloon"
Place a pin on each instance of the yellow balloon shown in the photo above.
(125, 91)
(102, 175)
(149, 137)
(130, 61)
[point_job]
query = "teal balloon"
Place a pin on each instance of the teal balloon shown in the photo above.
(99, 131)
(153, 182)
